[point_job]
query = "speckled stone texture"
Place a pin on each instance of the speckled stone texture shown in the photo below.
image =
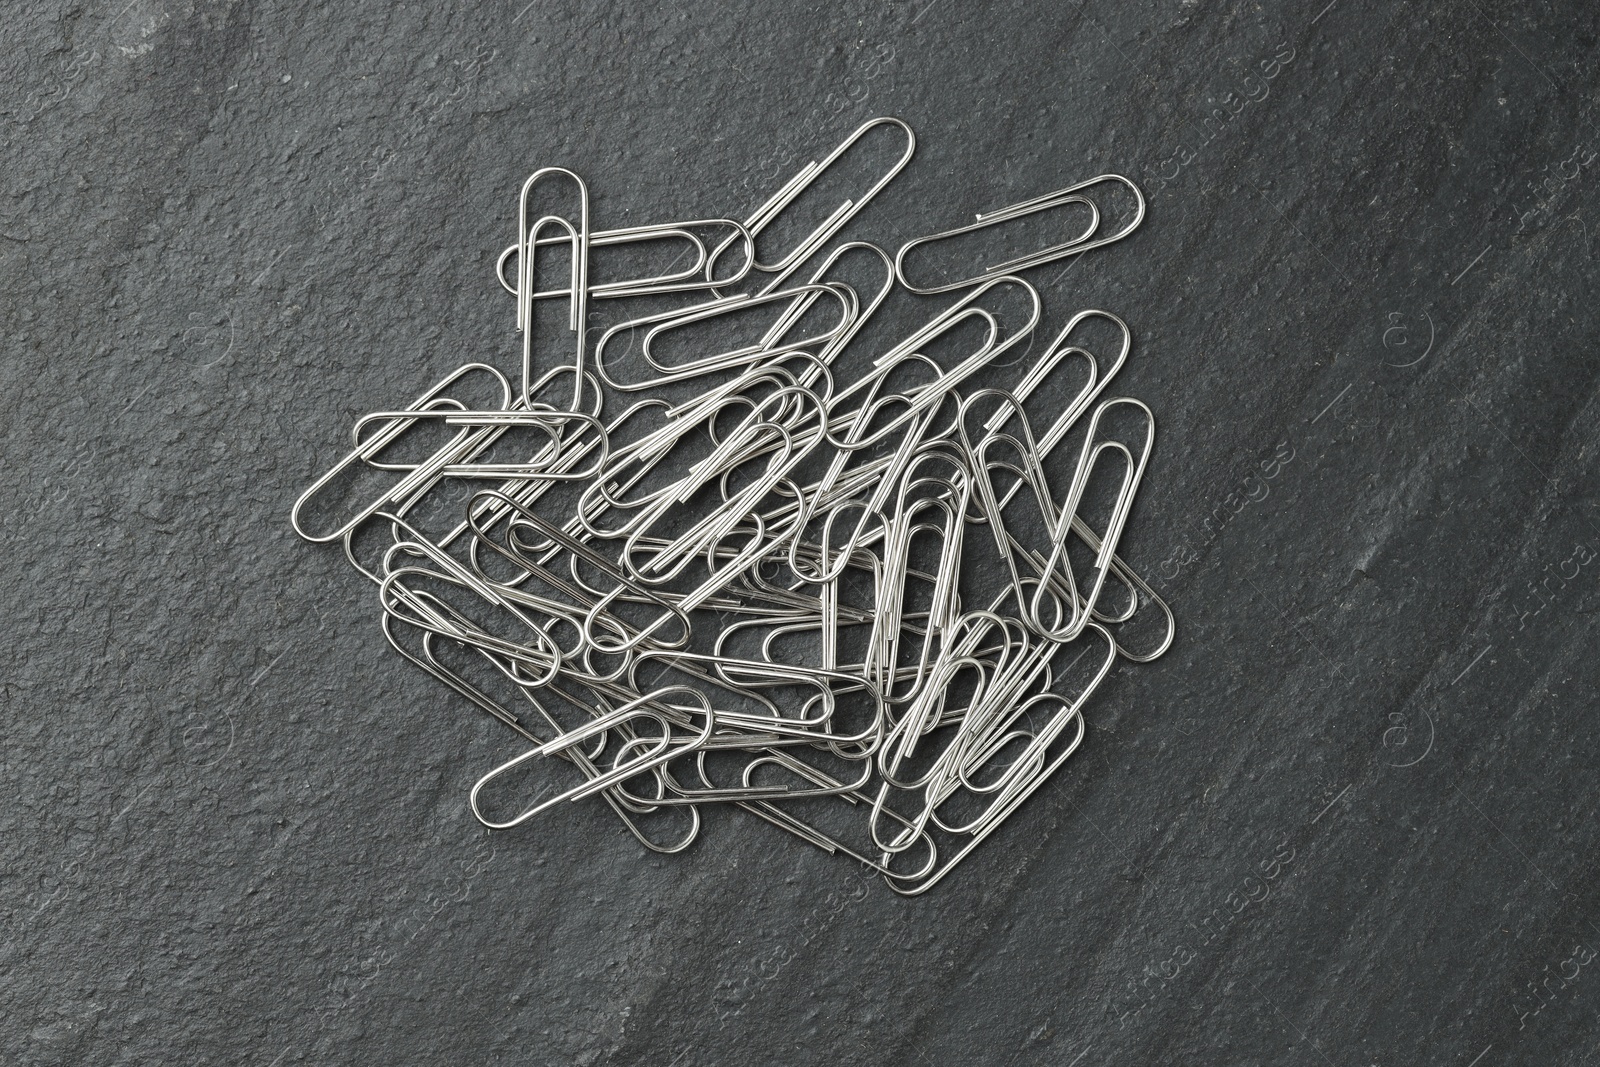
(1348, 820)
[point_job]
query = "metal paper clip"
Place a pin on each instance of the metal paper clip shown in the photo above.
(680, 280)
(763, 216)
(1083, 242)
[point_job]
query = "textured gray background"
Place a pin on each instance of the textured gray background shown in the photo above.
(233, 826)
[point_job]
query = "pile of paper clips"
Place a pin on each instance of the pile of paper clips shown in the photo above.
(848, 587)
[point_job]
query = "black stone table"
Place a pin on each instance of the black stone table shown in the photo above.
(1347, 820)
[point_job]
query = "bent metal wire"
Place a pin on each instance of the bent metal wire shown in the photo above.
(722, 599)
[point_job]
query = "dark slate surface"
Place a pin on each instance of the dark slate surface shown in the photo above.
(234, 827)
